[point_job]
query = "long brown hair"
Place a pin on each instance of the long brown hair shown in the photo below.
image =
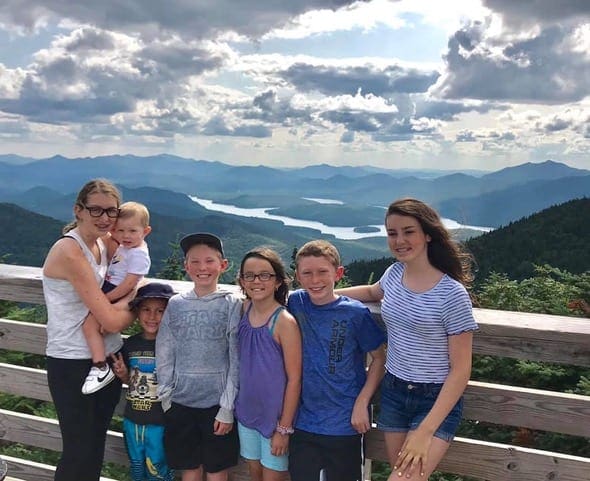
(444, 253)
(94, 186)
(271, 256)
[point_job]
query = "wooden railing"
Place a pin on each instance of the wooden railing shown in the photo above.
(535, 337)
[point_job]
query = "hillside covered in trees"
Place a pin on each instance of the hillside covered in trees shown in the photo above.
(558, 236)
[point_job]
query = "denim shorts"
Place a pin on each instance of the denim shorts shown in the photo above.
(404, 405)
(255, 446)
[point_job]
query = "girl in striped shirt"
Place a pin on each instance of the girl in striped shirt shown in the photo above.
(430, 324)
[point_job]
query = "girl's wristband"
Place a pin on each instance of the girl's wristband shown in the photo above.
(284, 430)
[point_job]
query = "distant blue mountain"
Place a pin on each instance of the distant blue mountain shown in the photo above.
(499, 208)
(490, 198)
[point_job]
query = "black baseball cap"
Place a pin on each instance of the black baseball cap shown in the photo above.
(153, 290)
(201, 238)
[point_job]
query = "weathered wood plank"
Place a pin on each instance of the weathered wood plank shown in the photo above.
(534, 337)
(490, 461)
(44, 433)
(21, 284)
(498, 462)
(528, 408)
(22, 336)
(32, 383)
(566, 347)
(23, 470)
(24, 284)
(24, 381)
(494, 403)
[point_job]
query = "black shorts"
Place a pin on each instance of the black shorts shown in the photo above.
(340, 457)
(189, 441)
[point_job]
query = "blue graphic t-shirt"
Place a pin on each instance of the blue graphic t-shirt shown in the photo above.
(336, 337)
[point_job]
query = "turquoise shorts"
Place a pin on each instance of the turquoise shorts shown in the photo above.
(254, 446)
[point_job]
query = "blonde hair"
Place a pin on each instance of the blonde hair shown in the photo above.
(94, 186)
(132, 209)
(319, 248)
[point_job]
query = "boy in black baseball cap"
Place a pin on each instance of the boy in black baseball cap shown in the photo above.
(198, 365)
(201, 238)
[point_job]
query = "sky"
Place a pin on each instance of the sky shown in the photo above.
(454, 84)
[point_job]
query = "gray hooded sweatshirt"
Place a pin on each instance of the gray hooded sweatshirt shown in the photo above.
(197, 351)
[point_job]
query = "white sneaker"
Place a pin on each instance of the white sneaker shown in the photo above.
(97, 379)
(3, 469)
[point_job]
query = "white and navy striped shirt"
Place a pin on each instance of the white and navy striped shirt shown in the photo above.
(418, 325)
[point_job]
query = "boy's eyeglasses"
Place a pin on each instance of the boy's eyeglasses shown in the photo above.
(96, 211)
(263, 276)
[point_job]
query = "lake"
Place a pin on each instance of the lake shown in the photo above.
(344, 233)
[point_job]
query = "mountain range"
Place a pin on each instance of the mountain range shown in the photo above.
(36, 199)
(476, 198)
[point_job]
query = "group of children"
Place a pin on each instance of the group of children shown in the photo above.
(293, 369)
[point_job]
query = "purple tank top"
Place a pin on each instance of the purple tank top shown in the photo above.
(262, 376)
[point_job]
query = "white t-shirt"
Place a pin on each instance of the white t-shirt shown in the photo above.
(128, 260)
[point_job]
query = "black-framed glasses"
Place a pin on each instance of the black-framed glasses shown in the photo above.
(263, 276)
(96, 211)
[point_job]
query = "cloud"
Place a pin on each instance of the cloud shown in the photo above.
(539, 11)
(219, 126)
(466, 136)
(540, 66)
(13, 127)
(449, 110)
(196, 19)
(407, 129)
(371, 79)
(90, 75)
(347, 137)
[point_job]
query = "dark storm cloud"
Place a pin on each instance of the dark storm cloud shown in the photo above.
(542, 11)
(218, 126)
(546, 68)
(370, 79)
(74, 81)
(556, 124)
(187, 18)
(403, 130)
(267, 107)
(449, 110)
(358, 121)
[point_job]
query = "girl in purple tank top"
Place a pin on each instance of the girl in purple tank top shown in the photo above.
(270, 366)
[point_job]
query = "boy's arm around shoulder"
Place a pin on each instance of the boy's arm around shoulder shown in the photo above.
(228, 396)
(165, 358)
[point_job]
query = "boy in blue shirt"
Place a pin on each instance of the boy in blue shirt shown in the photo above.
(337, 333)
